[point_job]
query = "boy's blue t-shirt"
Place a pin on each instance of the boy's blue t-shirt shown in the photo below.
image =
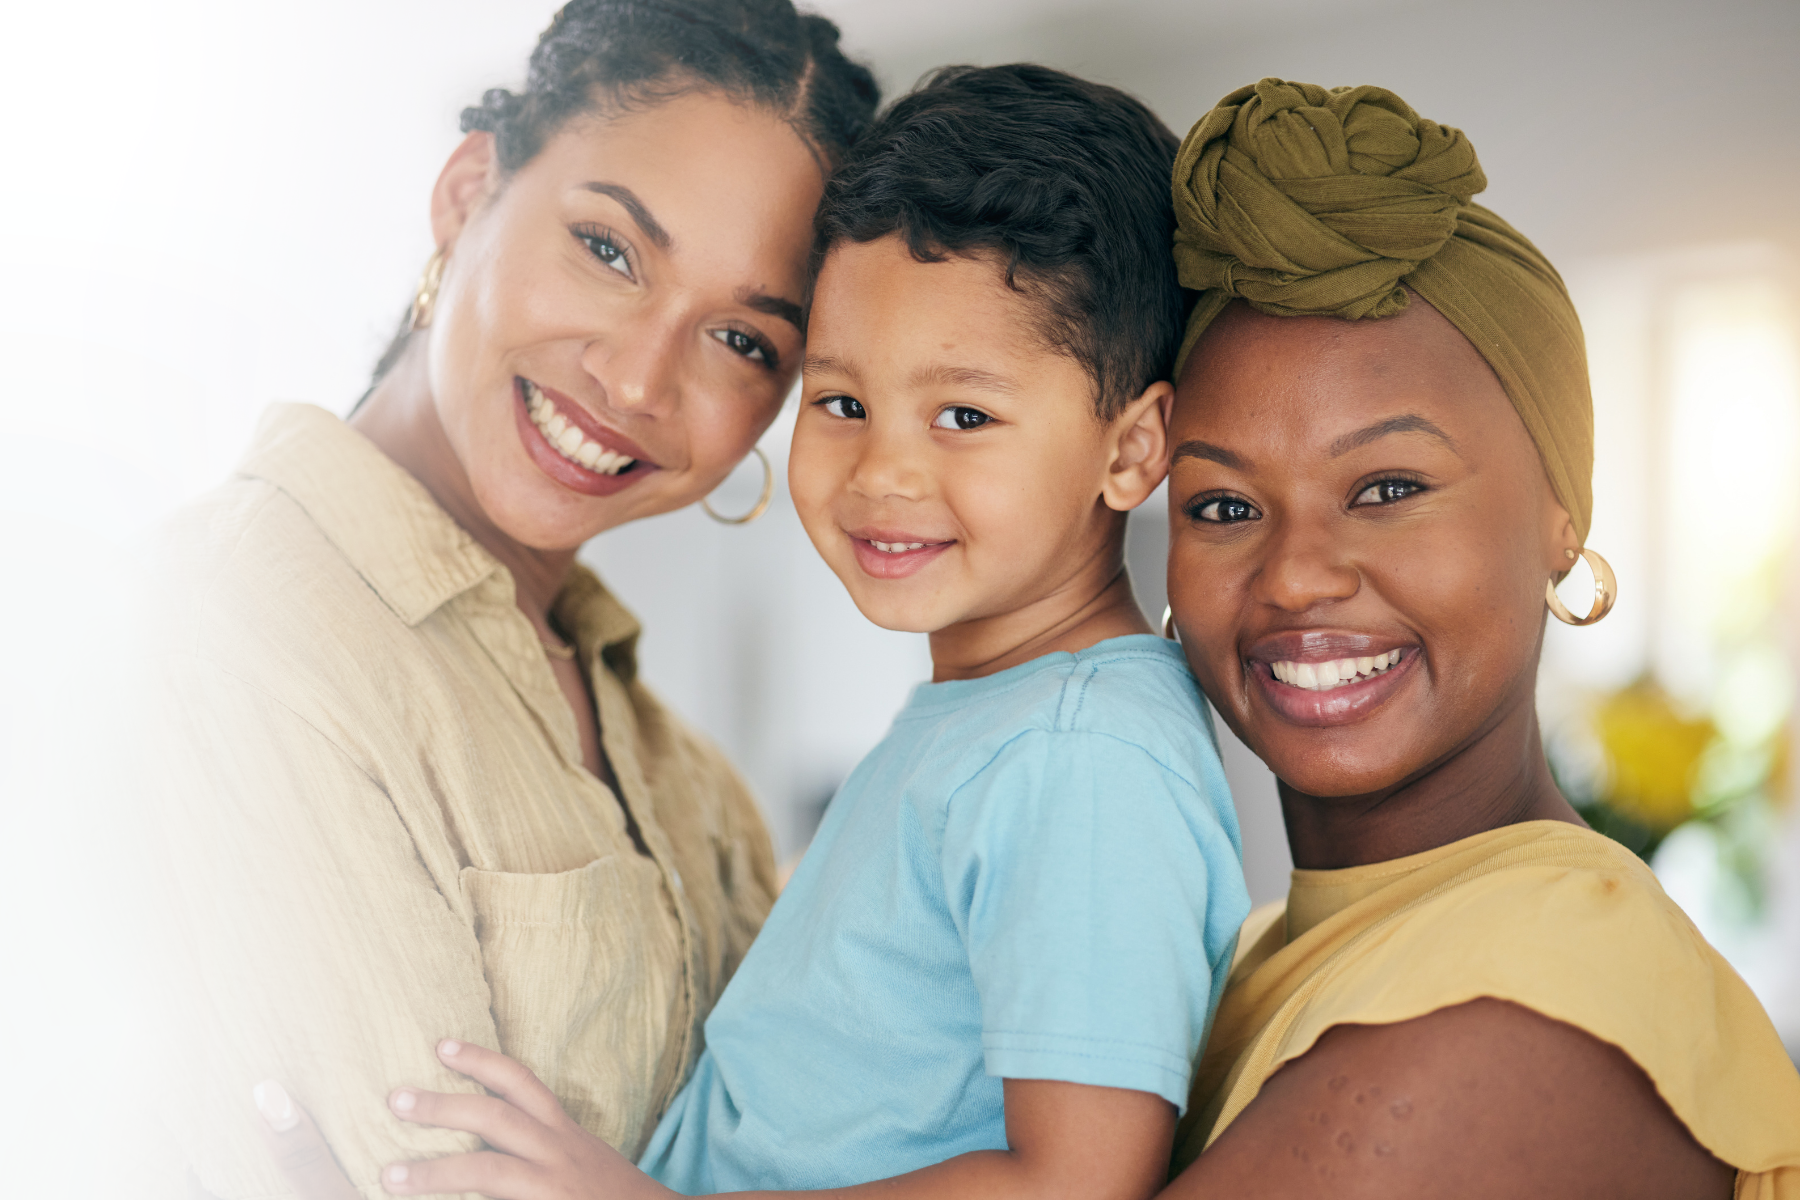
(1036, 875)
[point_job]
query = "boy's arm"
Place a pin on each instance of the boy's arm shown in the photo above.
(1066, 1140)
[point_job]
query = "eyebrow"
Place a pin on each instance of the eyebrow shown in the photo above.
(774, 306)
(938, 375)
(1410, 423)
(814, 364)
(628, 200)
(1210, 452)
(945, 375)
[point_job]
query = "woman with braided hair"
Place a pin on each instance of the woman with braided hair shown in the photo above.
(1384, 444)
(409, 781)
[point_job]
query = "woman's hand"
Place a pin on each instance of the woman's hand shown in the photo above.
(537, 1151)
(297, 1147)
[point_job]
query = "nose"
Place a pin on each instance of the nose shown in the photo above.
(638, 366)
(890, 465)
(1303, 568)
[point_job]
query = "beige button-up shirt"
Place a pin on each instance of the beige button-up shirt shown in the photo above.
(378, 831)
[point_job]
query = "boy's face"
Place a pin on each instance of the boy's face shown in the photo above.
(946, 463)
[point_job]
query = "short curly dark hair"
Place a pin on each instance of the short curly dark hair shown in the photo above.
(1065, 182)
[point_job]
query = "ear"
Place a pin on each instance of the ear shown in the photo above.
(1561, 547)
(465, 183)
(1138, 449)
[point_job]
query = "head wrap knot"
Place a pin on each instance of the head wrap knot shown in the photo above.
(1307, 201)
(1303, 200)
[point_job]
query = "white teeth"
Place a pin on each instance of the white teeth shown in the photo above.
(896, 547)
(568, 440)
(1322, 677)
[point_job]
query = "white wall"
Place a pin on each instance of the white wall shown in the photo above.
(210, 204)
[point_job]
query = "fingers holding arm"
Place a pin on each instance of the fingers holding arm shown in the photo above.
(538, 1152)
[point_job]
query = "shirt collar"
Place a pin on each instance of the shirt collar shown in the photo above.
(401, 542)
(381, 519)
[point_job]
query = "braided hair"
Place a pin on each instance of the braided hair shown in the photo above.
(614, 56)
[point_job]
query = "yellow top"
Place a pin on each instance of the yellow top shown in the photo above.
(1546, 915)
(378, 832)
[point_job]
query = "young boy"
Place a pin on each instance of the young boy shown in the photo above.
(994, 968)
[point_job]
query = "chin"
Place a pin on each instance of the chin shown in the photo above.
(898, 614)
(1328, 763)
(899, 618)
(539, 521)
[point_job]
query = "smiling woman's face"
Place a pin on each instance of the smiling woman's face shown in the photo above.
(618, 321)
(1362, 531)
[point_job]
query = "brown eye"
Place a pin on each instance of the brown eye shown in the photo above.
(961, 417)
(603, 245)
(742, 343)
(1224, 510)
(843, 406)
(1386, 491)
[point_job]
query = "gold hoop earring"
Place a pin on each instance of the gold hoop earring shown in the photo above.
(1169, 630)
(425, 299)
(1606, 590)
(762, 501)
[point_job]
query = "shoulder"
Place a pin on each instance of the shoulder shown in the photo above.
(245, 552)
(246, 591)
(1136, 697)
(1556, 933)
(1122, 724)
(1482, 1099)
(1571, 925)
(1137, 688)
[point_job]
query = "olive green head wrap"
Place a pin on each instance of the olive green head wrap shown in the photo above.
(1307, 201)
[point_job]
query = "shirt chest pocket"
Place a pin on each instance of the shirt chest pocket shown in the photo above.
(585, 971)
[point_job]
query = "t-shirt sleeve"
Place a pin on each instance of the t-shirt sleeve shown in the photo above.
(1098, 894)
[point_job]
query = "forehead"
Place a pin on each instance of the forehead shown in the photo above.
(719, 176)
(1299, 382)
(877, 307)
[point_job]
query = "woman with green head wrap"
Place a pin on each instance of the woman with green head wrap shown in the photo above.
(1384, 445)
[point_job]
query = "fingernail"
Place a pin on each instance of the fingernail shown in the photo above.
(404, 1101)
(449, 1048)
(397, 1173)
(273, 1103)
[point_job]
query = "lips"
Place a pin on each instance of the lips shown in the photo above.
(1319, 678)
(894, 554)
(571, 447)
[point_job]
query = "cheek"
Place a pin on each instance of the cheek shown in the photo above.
(1021, 502)
(1206, 587)
(992, 501)
(720, 427)
(819, 466)
(1469, 589)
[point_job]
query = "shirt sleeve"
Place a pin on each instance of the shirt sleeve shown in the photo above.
(1081, 873)
(306, 941)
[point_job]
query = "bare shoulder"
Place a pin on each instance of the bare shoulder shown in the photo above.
(1484, 1100)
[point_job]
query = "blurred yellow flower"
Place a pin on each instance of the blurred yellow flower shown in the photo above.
(1652, 753)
